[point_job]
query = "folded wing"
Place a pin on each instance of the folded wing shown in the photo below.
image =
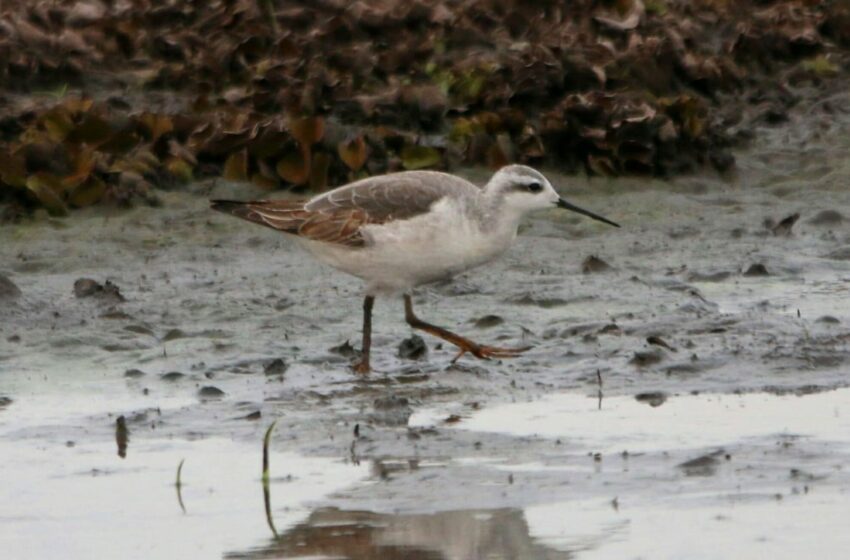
(339, 215)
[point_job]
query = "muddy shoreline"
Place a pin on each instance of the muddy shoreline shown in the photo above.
(708, 300)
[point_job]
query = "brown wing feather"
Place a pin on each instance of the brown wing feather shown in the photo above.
(397, 196)
(289, 216)
(338, 216)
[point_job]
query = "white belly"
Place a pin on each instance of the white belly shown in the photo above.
(404, 254)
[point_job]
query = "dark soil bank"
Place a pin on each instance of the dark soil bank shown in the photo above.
(106, 102)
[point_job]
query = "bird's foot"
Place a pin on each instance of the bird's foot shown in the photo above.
(361, 366)
(484, 352)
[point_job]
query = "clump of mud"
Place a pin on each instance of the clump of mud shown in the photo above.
(8, 290)
(106, 292)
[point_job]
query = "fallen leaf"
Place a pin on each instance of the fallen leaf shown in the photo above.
(236, 166)
(320, 164)
(294, 168)
(84, 166)
(179, 169)
(307, 130)
(821, 66)
(13, 169)
(58, 123)
(156, 125)
(419, 157)
(46, 188)
(631, 21)
(353, 152)
(264, 182)
(92, 130)
(87, 193)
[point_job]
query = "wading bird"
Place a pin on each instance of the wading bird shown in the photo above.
(403, 230)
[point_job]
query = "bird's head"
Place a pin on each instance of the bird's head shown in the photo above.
(523, 189)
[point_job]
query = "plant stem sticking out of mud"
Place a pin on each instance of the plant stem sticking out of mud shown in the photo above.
(266, 440)
(599, 392)
(178, 484)
(122, 436)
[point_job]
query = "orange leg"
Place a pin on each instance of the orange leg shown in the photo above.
(464, 344)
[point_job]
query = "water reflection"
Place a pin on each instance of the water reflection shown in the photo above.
(178, 486)
(451, 535)
(267, 505)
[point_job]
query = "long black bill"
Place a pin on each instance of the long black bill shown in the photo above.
(564, 204)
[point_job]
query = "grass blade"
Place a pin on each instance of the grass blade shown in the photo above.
(266, 440)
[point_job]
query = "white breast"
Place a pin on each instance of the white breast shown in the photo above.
(407, 253)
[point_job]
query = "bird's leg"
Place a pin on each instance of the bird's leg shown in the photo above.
(362, 365)
(465, 345)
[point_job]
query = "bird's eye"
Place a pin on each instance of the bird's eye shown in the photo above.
(534, 187)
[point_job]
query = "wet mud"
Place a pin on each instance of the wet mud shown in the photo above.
(687, 381)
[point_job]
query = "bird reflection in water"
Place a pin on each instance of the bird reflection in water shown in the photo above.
(451, 535)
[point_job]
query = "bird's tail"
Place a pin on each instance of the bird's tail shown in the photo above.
(285, 216)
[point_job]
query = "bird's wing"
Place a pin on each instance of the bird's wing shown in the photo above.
(290, 216)
(397, 196)
(338, 216)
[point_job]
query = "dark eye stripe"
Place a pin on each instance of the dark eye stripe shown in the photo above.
(534, 187)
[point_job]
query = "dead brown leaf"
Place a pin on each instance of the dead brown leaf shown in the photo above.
(353, 152)
(295, 167)
(236, 166)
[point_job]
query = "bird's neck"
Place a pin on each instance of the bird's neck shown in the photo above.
(497, 217)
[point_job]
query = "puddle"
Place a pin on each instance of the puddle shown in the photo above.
(722, 529)
(704, 476)
(86, 502)
(31, 411)
(680, 422)
(75, 486)
(453, 535)
(594, 529)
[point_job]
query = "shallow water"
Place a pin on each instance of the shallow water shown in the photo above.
(654, 422)
(745, 448)
(79, 499)
(722, 529)
(84, 501)
(746, 470)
